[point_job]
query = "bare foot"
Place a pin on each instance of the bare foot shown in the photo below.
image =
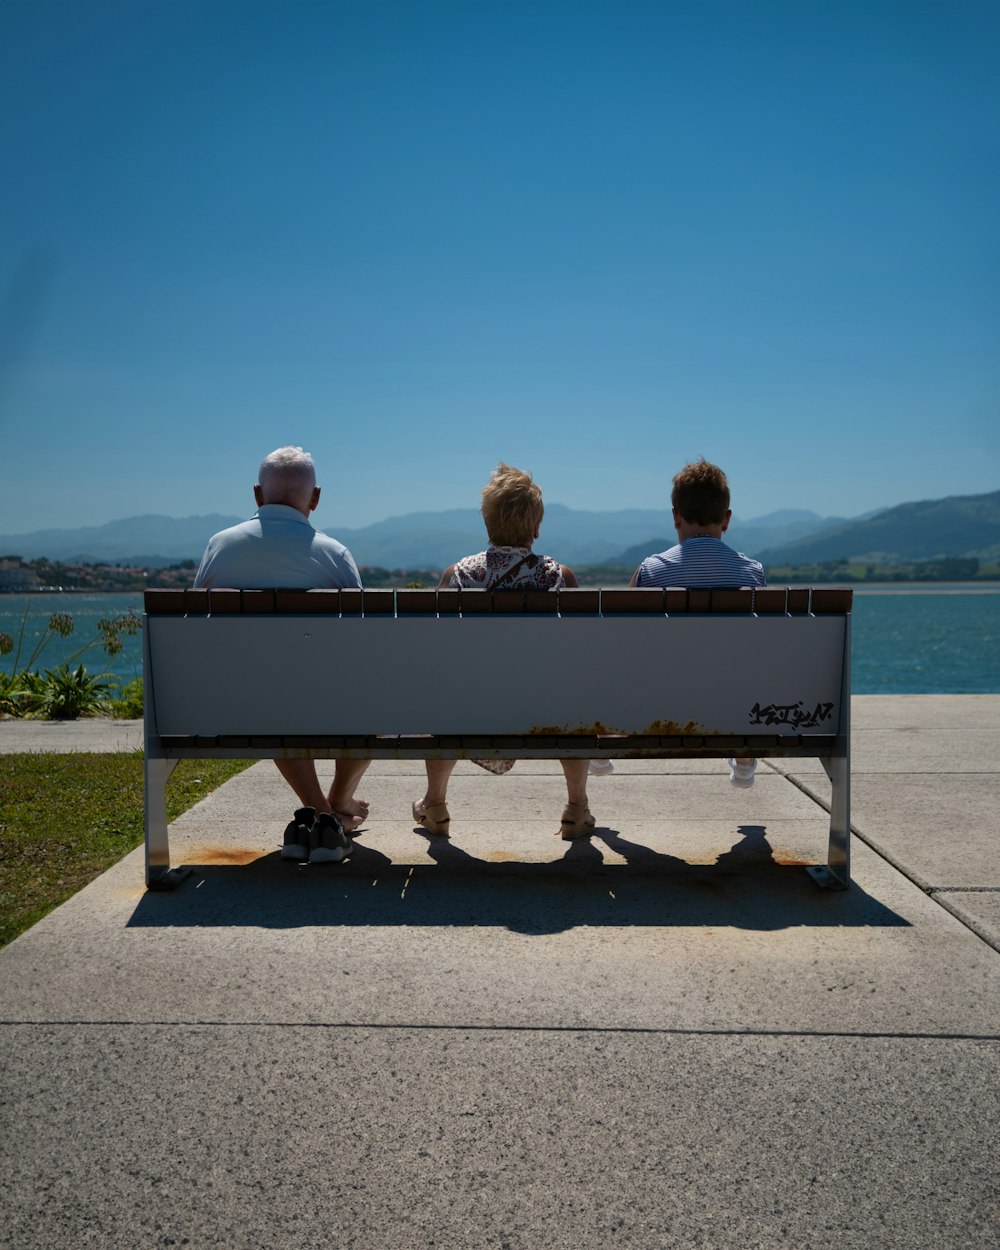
(350, 823)
(352, 813)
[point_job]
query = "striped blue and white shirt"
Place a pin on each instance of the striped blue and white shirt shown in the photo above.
(701, 563)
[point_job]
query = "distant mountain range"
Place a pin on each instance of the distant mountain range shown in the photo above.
(933, 529)
(966, 525)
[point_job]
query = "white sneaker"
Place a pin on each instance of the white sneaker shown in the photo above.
(601, 768)
(742, 774)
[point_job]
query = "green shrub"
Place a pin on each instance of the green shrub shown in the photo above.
(65, 694)
(126, 701)
(19, 690)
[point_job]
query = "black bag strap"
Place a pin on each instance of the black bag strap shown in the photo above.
(530, 559)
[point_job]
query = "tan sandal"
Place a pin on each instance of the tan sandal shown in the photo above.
(577, 822)
(433, 819)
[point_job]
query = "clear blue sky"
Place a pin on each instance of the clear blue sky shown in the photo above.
(595, 239)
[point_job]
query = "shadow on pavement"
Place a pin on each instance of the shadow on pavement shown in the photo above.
(745, 888)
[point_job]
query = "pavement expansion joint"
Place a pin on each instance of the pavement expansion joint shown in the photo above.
(398, 1026)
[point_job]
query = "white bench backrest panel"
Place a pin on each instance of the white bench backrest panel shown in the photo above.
(312, 675)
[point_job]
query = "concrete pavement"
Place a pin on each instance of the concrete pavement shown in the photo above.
(664, 1036)
(64, 736)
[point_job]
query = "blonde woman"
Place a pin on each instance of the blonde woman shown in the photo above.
(512, 509)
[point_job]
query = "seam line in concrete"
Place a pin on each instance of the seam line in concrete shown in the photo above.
(933, 892)
(819, 1034)
(964, 889)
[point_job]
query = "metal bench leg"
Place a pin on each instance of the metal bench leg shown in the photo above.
(836, 873)
(159, 874)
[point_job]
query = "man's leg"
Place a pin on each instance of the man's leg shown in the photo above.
(742, 770)
(352, 812)
(301, 776)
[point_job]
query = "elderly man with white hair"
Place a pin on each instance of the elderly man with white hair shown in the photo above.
(278, 547)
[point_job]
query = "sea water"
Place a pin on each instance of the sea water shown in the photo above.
(920, 638)
(926, 639)
(32, 612)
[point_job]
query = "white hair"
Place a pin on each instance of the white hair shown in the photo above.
(287, 476)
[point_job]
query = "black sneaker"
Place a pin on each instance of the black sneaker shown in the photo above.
(297, 834)
(328, 842)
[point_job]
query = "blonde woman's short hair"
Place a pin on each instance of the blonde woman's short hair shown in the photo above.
(512, 507)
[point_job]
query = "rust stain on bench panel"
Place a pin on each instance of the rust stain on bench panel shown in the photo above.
(598, 729)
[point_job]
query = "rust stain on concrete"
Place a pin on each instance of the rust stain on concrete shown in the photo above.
(223, 855)
(791, 861)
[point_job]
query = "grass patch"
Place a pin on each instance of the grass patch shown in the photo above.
(64, 819)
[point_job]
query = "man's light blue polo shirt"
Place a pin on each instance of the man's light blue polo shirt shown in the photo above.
(277, 547)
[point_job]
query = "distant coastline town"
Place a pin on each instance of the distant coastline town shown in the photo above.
(19, 576)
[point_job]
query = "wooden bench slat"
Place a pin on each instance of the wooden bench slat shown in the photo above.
(411, 602)
(196, 601)
(475, 602)
(225, 601)
(582, 600)
(164, 602)
(506, 602)
(541, 602)
(832, 599)
(675, 601)
(307, 602)
(645, 600)
(257, 601)
(379, 602)
(769, 599)
(732, 600)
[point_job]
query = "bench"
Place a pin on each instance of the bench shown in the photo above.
(601, 674)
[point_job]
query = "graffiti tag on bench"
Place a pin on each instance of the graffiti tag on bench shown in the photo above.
(794, 714)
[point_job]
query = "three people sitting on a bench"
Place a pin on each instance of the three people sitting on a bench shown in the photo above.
(278, 547)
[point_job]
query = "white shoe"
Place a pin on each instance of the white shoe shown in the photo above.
(742, 774)
(600, 768)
